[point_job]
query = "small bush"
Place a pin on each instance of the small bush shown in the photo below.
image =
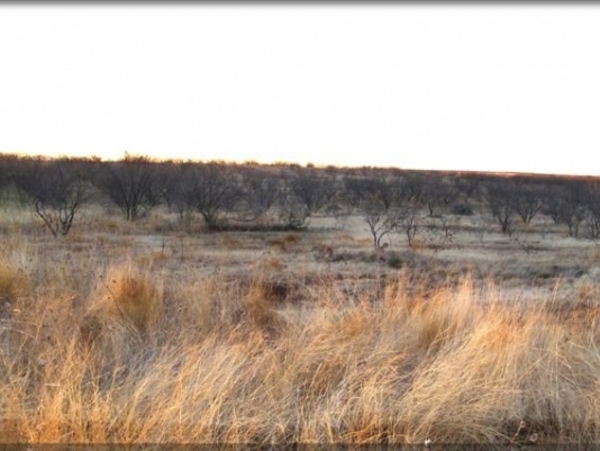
(292, 238)
(278, 244)
(259, 305)
(129, 300)
(230, 242)
(13, 283)
(461, 210)
(394, 260)
(117, 326)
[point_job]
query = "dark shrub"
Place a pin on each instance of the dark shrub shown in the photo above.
(461, 210)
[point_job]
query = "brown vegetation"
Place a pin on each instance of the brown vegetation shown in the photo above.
(451, 365)
(158, 331)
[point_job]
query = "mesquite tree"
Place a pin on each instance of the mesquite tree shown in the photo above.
(379, 200)
(131, 183)
(57, 190)
(500, 198)
(213, 190)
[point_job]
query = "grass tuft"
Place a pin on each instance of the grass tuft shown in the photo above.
(121, 317)
(13, 282)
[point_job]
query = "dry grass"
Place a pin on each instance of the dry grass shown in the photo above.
(594, 254)
(13, 283)
(128, 295)
(102, 345)
(285, 243)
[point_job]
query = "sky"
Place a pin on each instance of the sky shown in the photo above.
(484, 87)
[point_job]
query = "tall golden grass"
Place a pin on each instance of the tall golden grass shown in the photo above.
(118, 353)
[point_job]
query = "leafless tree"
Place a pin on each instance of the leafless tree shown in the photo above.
(413, 187)
(572, 216)
(552, 203)
(290, 211)
(131, 183)
(214, 191)
(469, 187)
(438, 195)
(478, 226)
(446, 223)
(313, 192)
(500, 199)
(571, 205)
(9, 164)
(527, 199)
(409, 223)
(57, 189)
(261, 194)
(527, 205)
(379, 199)
(592, 203)
(175, 181)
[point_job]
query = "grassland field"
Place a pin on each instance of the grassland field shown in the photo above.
(149, 332)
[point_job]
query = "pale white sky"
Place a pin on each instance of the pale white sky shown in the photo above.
(473, 87)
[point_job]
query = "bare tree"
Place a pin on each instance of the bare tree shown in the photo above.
(527, 205)
(478, 226)
(409, 224)
(214, 191)
(552, 203)
(175, 181)
(260, 194)
(311, 191)
(9, 164)
(592, 203)
(527, 199)
(438, 195)
(300, 195)
(379, 200)
(413, 187)
(469, 187)
(572, 205)
(131, 183)
(500, 199)
(57, 190)
(446, 223)
(290, 211)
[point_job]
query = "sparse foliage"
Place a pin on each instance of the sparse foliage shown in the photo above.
(527, 200)
(57, 190)
(176, 183)
(572, 206)
(261, 194)
(379, 200)
(500, 199)
(131, 183)
(311, 191)
(592, 214)
(438, 196)
(214, 191)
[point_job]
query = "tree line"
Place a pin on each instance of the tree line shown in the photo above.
(285, 196)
